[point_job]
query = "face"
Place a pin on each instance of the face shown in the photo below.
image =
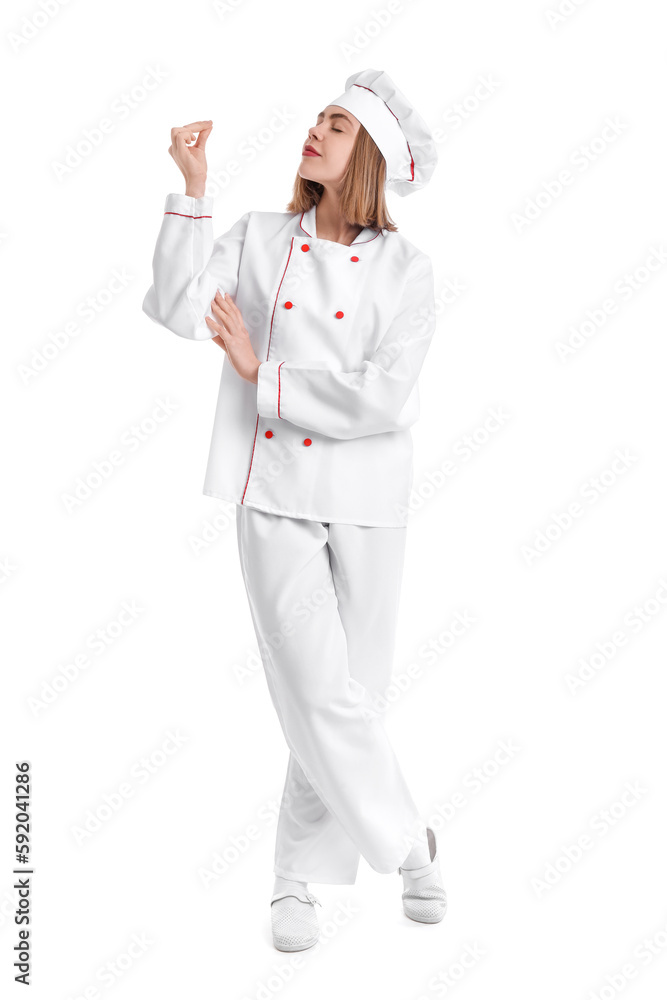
(332, 138)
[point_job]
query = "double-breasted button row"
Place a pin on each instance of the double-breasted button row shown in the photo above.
(305, 247)
(290, 305)
(269, 434)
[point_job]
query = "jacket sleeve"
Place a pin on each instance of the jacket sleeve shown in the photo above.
(189, 266)
(379, 396)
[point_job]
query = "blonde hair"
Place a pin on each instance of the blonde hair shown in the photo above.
(362, 192)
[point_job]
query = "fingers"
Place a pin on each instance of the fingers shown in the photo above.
(212, 325)
(192, 128)
(229, 315)
(183, 134)
(230, 321)
(221, 316)
(219, 305)
(203, 136)
(226, 300)
(216, 307)
(198, 126)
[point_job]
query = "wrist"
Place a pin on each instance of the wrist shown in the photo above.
(195, 190)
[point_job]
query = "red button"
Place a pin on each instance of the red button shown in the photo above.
(288, 305)
(339, 315)
(305, 246)
(355, 259)
(307, 441)
(268, 434)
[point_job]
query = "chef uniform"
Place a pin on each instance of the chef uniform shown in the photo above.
(318, 458)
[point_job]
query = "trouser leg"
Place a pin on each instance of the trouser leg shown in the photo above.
(311, 844)
(347, 796)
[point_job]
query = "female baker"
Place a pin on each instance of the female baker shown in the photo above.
(325, 314)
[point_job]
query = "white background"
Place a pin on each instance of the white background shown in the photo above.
(531, 922)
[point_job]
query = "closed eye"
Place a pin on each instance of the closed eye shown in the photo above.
(332, 128)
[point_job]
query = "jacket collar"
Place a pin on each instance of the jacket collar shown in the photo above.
(307, 225)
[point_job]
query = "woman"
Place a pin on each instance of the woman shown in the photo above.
(325, 314)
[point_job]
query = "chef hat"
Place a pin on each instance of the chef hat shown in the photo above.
(402, 136)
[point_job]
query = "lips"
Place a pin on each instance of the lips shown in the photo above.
(309, 151)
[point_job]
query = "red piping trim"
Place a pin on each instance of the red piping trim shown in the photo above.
(356, 242)
(184, 216)
(359, 242)
(251, 457)
(267, 358)
(279, 367)
(276, 299)
(301, 224)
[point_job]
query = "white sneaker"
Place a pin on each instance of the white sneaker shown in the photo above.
(294, 922)
(424, 897)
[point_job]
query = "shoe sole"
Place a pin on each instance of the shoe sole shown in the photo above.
(419, 920)
(301, 947)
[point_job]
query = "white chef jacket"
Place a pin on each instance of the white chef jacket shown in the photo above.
(341, 333)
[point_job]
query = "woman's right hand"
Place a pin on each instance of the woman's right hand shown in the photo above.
(191, 160)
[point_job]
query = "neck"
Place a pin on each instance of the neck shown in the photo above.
(330, 223)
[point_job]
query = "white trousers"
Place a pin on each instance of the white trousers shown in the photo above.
(324, 600)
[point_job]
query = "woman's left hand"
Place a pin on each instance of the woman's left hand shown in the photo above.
(233, 337)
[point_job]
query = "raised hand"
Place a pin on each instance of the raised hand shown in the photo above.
(191, 160)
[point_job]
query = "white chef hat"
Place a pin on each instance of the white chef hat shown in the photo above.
(402, 136)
